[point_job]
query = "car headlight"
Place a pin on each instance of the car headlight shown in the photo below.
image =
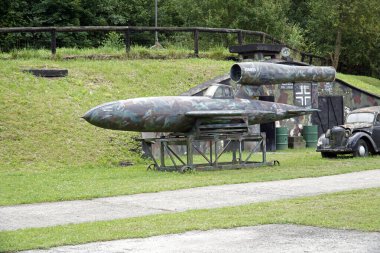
(323, 141)
(328, 132)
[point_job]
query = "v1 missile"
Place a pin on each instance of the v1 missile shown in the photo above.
(260, 73)
(179, 114)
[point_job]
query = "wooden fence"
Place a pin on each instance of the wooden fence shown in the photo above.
(127, 30)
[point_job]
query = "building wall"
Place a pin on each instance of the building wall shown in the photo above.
(352, 98)
(298, 95)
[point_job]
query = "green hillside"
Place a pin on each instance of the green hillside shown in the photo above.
(40, 124)
(366, 83)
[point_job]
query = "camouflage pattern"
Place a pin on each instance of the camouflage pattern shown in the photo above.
(260, 73)
(168, 114)
(353, 98)
(178, 114)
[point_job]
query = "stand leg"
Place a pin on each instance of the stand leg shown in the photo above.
(234, 148)
(162, 154)
(264, 147)
(211, 152)
(189, 150)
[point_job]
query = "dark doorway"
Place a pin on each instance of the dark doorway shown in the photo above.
(269, 128)
(376, 132)
(331, 113)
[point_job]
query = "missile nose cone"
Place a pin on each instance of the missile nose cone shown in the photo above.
(100, 115)
(87, 115)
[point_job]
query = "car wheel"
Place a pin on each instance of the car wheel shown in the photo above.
(328, 155)
(361, 149)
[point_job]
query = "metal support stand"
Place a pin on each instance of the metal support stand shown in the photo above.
(216, 138)
(216, 160)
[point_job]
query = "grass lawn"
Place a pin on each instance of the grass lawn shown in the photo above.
(345, 210)
(85, 182)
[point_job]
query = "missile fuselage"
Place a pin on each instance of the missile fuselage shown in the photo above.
(170, 114)
(259, 73)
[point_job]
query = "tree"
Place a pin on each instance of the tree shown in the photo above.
(269, 16)
(345, 30)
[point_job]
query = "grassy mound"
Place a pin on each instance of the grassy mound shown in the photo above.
(366, 83)
(41, 126)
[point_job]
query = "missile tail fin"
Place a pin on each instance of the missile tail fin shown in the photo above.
(302, 111)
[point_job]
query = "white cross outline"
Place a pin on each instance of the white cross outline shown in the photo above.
(304, 94)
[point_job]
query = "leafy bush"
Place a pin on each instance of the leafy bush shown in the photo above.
(113, 40)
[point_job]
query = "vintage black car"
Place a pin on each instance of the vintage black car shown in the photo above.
(360, 135)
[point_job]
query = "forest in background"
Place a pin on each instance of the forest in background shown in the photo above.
(347, 32)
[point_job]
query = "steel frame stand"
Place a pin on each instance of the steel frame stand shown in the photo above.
(213, 160)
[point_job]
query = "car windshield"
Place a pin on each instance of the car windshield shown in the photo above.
(363, 117)
(210, 91)
(216, 91)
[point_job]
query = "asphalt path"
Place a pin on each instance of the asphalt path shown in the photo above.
(69, 212)
(265, 238)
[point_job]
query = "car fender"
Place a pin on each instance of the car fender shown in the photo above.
(352, 140)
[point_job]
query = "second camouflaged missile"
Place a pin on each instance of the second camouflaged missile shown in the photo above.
(259, 73)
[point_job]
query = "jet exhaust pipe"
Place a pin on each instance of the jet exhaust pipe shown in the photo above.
(260, 73)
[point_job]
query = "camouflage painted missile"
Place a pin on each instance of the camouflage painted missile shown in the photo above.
(179, 114)
(259, 73)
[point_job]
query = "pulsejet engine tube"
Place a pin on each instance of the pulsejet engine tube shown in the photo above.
(260, 73)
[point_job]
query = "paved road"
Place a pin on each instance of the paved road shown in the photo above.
(56, 213)
(265, 238)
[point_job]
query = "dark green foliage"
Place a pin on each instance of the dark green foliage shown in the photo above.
(268, 16)
(309, 25)
(260, 15)
(21, 13)
(357, 21)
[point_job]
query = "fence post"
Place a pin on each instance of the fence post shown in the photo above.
(302, 57)
(263, 38)
(127, 40)
(196, 43)
(240, 38)
(310, 59)
(53, 42)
